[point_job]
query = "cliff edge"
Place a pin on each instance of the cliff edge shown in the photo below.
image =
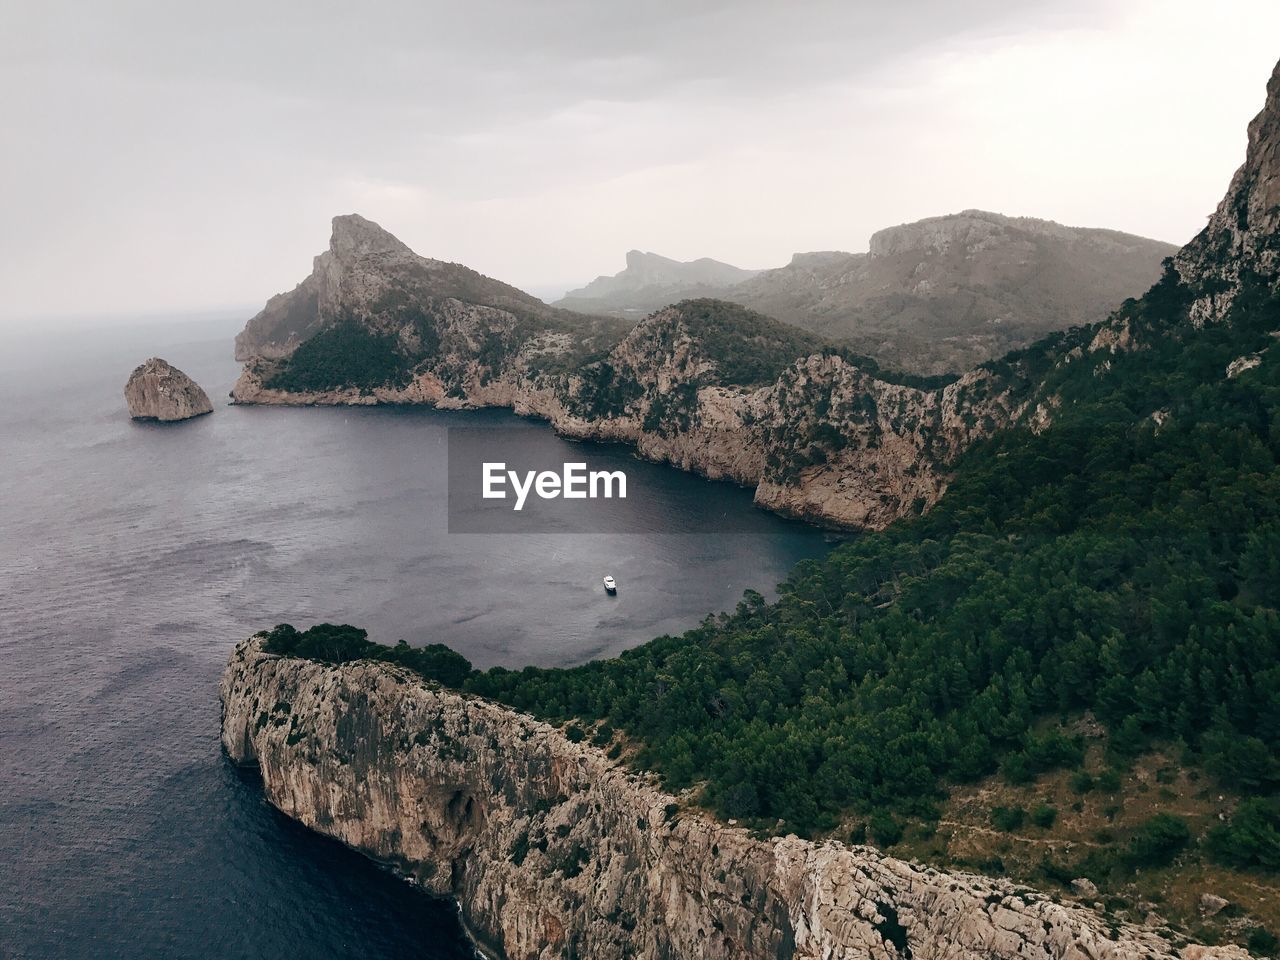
(1241, 242)
(553, 850)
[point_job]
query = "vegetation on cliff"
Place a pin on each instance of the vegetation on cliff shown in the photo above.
(1119, 562)
(729, 346)
(747, 348)
(1124, 562)
(343, 643)
(347, 354)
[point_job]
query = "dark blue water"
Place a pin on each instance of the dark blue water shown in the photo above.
(132, 557)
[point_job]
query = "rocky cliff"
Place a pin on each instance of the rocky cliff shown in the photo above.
(553, 850)
(1241, 242)
(704, 385)
(370, 277)
(158, 391)
(711, 388)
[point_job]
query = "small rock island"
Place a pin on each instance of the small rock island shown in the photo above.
(160, 391)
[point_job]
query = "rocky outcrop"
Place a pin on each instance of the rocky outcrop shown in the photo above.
(1241, 242)
(368, 275)
(158, 391)
(553, 850)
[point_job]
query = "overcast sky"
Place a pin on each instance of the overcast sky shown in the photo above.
(166, 156)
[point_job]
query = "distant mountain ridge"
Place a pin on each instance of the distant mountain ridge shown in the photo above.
(938, 295)
(651, 281)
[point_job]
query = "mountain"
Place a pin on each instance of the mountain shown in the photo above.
(370, 278)
(950, 292)
(706, 385)
(1239, 248)
(1059, 664)
(651, 281)
(939, 295)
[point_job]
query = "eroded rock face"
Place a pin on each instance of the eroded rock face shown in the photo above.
(551, 849)
(1241, 242)
(157, 390)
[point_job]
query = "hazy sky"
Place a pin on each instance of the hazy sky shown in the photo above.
(170, 155)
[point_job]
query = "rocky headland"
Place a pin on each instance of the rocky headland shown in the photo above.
(551, 849)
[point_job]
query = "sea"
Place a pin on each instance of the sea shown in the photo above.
(133, 556)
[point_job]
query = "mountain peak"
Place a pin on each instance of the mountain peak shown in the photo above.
(354, 236)
(640, 259)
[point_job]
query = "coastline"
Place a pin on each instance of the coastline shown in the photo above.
(888, 467)
(545, 843)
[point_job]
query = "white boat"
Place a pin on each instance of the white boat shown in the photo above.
(610, 585)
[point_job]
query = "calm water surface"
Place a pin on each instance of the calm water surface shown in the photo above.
(132, 557)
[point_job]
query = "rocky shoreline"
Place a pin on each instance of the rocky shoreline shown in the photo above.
(827, 442)
(551, 849)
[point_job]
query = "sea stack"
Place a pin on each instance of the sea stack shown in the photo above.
(159, 391)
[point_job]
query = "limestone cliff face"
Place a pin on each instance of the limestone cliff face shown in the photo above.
(552, 850)
(158, 391)
(1241, 242)
(847, 445)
